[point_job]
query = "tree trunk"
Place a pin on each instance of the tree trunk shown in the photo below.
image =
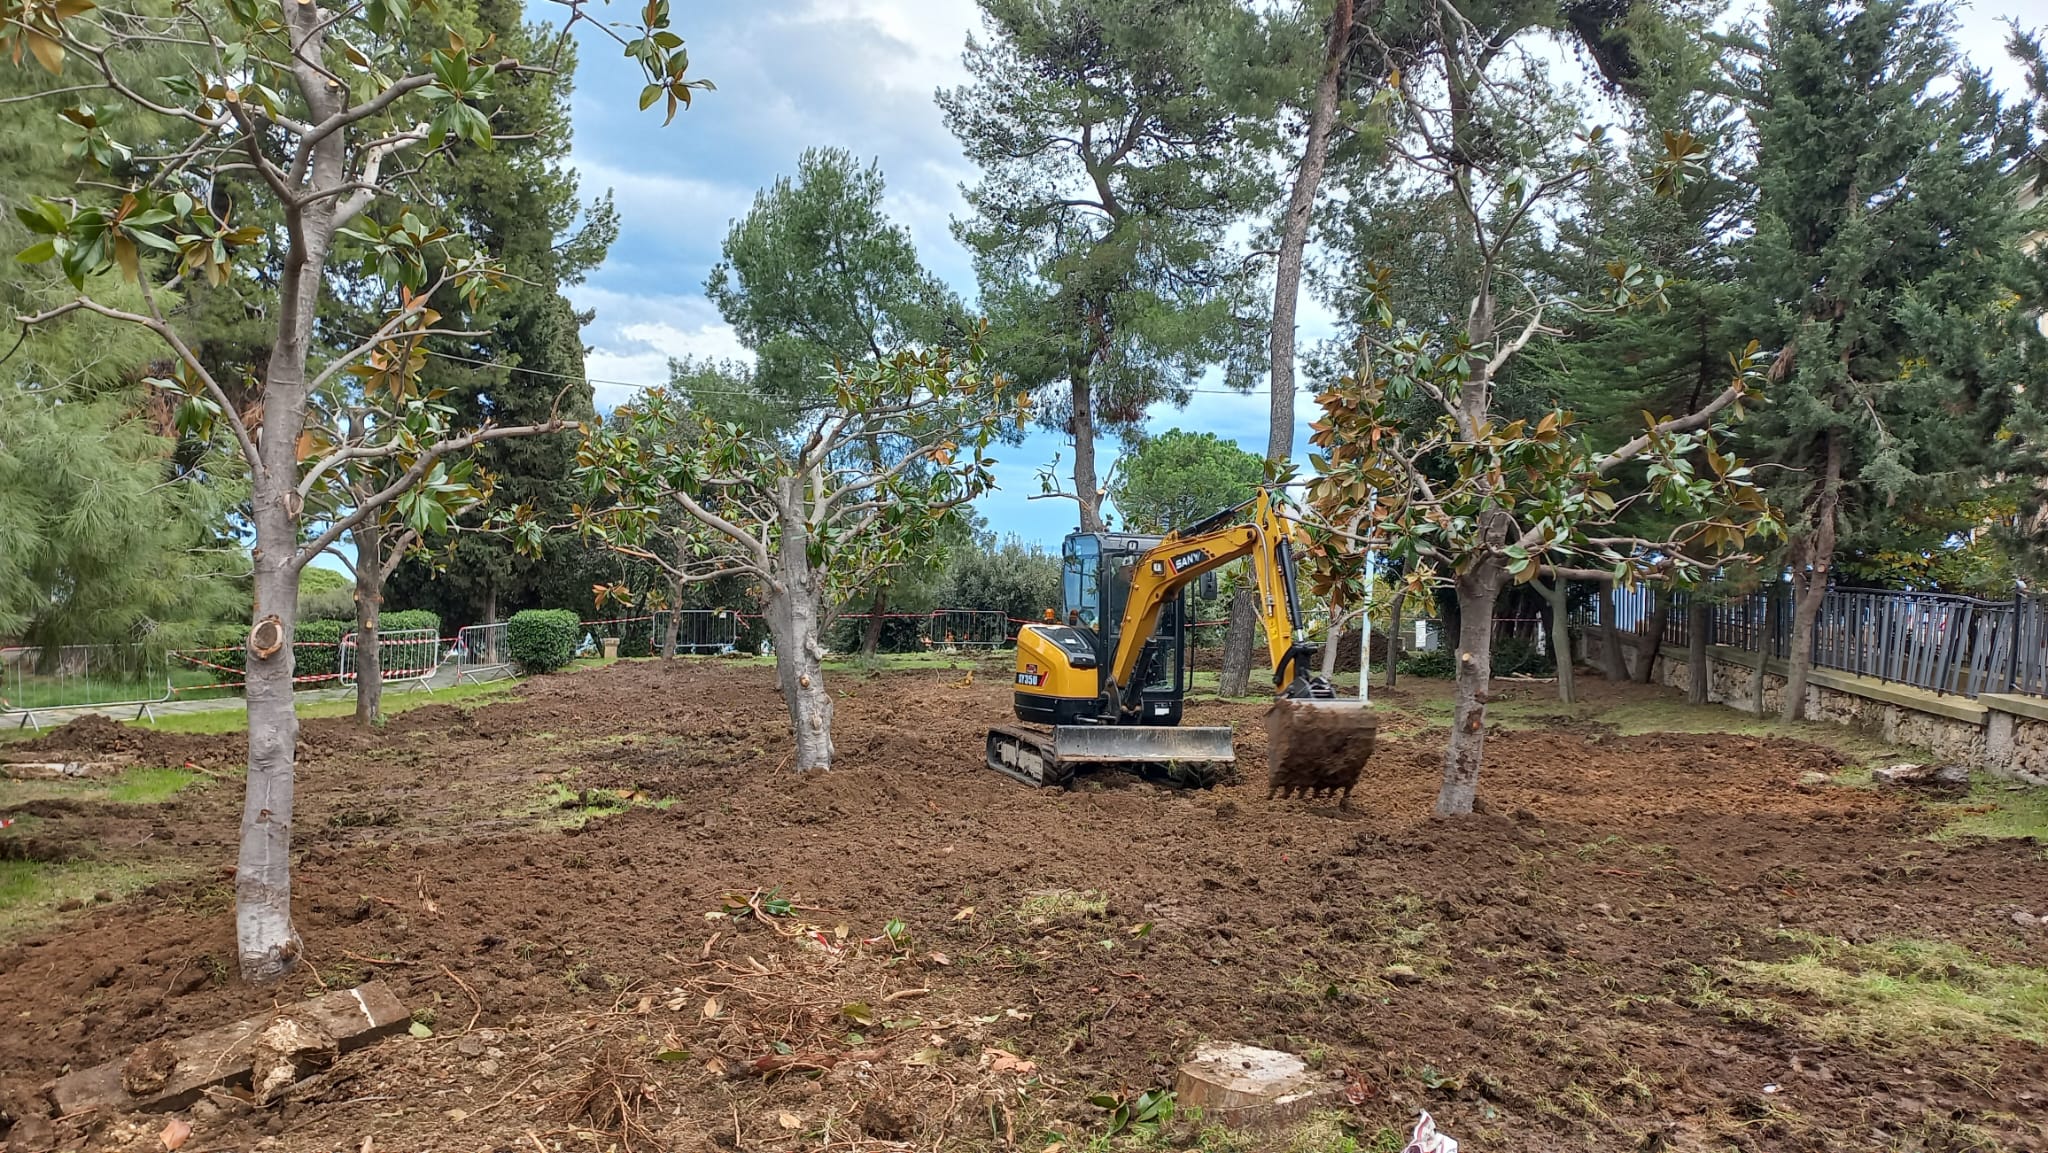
(490, 653)
(1337, 615)
(795, 619)
(266, 945)
(673, 628)
(1478, 591)
(1394, 633)
(1810, 582)
(1773, 609)
(1235, 679)
(1697, 620)
(1651, 642)
(1294, 240)
(1612, 664)
(1081, 426)
(871, 636)
(1557, 595)
(369, 655)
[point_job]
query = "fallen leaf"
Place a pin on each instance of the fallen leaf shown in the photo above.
(1016, 1015)
(965, 912)
(940, 959)
(675, 1004)
(646, 1004)
(716, 1066)
(789, 1121)
(1004, 1061)
(712, 1008)
(928, 1058)
(670, 1056)
(175, 1134)
(420, 1031)
(859, 1012)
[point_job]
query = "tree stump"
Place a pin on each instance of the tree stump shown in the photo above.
(1248, 1088)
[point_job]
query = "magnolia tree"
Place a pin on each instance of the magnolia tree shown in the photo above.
(309, 118)
(1480, 504)
(1419, 445)
(807, 516)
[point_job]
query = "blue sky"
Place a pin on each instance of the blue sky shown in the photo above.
(858, 74)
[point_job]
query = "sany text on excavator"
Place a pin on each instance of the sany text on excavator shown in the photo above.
(1105, 685)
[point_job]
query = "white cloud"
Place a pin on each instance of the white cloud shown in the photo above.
(935, 31)
(633, 337)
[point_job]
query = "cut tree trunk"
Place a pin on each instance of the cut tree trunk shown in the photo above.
(871, 636)
(369, 655)
(796, 619)
(1557, 596)
(1652, 641)
(1235, 679)
(1697, 620)
(1810, 583)
(1478, 591)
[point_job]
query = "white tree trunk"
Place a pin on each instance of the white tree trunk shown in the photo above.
(796, 619)
(1477, 591)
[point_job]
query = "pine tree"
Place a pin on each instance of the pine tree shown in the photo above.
(1111, 173)
(1886, 237)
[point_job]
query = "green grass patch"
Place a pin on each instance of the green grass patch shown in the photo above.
(140, 786)
(150, 786)
(1052, 904)
(1903, 991)
(1996, 813)
(31, 892)
(234, 720)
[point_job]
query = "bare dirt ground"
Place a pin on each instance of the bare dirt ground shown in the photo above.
(1655, 941)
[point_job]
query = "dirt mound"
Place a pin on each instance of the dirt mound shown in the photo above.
(1540, 977)
(98, 738)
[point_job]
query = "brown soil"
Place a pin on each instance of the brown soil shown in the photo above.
(1533, 977)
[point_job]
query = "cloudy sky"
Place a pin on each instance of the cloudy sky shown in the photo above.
(858, 74)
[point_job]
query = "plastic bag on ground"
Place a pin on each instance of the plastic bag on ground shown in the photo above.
(1426, 1139)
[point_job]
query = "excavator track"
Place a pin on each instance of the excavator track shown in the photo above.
(1193, 756)
(1026, 755)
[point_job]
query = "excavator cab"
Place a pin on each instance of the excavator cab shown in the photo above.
(1109, 676)
(1062, 681)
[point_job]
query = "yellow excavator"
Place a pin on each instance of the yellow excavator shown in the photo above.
(1105, 683)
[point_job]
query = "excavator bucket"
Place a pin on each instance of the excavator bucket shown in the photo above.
(1317, 748)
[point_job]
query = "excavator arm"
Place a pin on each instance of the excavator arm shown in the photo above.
(1254, 529)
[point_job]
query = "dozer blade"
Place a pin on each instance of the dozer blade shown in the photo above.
(1195, 756)
(1317, 748)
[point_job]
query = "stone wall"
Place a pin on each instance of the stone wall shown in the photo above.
(2004, 735)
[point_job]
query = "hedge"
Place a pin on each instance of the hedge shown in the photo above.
(543, 640)
(409, 619)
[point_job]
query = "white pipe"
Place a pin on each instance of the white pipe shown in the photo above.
(1365, 637)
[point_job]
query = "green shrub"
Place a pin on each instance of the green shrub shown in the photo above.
(410, 619)
(1512, 656)
(1439, 663)
(316, 647)
(543, 640)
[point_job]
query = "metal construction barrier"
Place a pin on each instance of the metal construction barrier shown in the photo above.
(967, 629)
(403, 655)
(40, 679)
(699, 632)
(480, 653)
